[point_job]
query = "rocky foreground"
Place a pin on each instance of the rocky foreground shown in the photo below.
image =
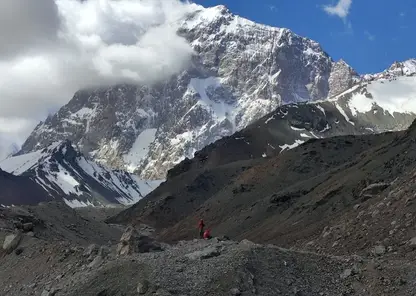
(79, 255)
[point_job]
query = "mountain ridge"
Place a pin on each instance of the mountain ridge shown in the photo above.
(65, 174)
(241, 71)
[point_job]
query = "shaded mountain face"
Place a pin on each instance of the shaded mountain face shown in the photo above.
(16, 190)
(61, 172)
(240, 72)
(293, 198)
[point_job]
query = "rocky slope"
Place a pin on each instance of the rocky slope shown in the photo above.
(61, 172)
(241, 71)
(294, 197)
(79, 256)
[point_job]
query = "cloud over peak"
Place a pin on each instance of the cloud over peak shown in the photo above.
(52, 48)
(341, 9)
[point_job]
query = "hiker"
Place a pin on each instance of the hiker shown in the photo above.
(201, 226)
(207, 234)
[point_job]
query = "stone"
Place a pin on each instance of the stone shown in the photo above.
(143, 287)
(235, 292)
(248, 243)
(91, 250)
(374, 189)
(346, 273)
(133, 242)
(98, 260)
(11, 242)
(379, 250)
(412, 242)
(27, 227)
(51, 292)
(103, 251)
(203, 254)
(18, 251)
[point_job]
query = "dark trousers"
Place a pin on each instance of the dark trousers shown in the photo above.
(201, 232)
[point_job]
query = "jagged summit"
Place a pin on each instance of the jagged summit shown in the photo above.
(397, 69)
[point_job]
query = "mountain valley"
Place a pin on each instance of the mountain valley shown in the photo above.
(302, 169)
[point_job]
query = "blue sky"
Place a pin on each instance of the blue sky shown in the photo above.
(368, 34)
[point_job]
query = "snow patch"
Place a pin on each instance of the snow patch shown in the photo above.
(269, 119)
(321, 108)
(140, 149)
(395, 96)
(291, 146)
(219, 110)
(360, 103)
(343, 113)
(75, 203)
(296, 128)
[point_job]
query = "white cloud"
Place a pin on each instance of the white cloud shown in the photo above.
(341, 9)
(50, 49)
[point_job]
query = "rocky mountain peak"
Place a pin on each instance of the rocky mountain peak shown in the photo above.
(241, 71)
(407, 67)
(342, 77)
(397, 69)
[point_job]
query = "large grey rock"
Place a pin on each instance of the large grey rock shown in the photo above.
(11, 242)
(379, 250)
(374, 189)
(346, 273)
(91, 250)
(143, 287)
(134, 242)
(98, 260)
(28, 227)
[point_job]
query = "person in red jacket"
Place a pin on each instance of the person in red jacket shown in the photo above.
(207, 234)
(201, 226)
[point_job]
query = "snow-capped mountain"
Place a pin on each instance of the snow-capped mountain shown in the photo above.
(241, 71)
(406, 68)
(64, 173)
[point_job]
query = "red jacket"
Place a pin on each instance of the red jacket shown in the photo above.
(207, 234)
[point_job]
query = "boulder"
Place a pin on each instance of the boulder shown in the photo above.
(412, 242)
(379, 250)
(27, 227)
(98, 260)
(235, 292)
(374, 189)
(346, 273)
(18, 251)
(103, 251)
(143, 287)
(133, 242)
(91, 250)
(11, 242)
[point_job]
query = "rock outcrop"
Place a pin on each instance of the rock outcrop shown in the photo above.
(133, 241)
